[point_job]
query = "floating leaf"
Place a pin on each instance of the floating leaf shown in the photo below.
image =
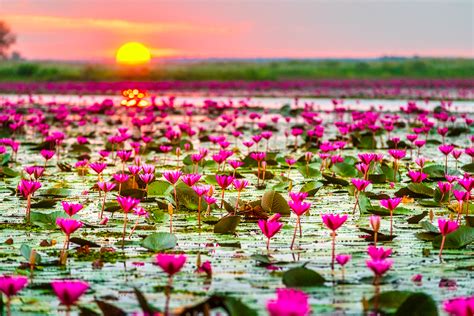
(309, 172)
(404, 303)
(421, 189)
(312, 187)
(333, 180)
(160, 188)
(415, 219)
(188, 198)
(159, 241)
(8, 172)
(47, 203)
(460, 238)
(274, 202)
(468, 168)
(46, 220)
(26, 251)
(434, 172)
(109, 309)
(418, 304)
(134, 193)
(302, 277)
(377, 178)
(83, 242)
(381, 211)
(345, 170)
(227, 225)
(57, 192)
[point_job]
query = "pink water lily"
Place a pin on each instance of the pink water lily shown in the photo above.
(224, 181)
(71, 208)
(378, 253)
(69, 291)
(374, 221)
(270, 227)
(11, 286)
(299, 208)
(170, 264)
(289, 302)
(379, 267)
(391, 204)
(27, 188)
(445, 227)
(459, 306)
(333, 222)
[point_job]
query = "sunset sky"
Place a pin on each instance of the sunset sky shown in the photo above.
(94, 29)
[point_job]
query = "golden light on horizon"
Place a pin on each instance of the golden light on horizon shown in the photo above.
(133, 53)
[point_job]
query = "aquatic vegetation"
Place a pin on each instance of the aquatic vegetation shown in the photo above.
(286, 174)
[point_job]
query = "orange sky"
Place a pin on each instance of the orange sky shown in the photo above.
(94, 29)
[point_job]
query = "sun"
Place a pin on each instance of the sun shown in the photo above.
(133, 53)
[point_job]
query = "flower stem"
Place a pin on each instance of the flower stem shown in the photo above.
(442, 246)
(294, 233)
(124, 230)
(333, 249)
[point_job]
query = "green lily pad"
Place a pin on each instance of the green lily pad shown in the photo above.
(160, 188)
(460, 238)
(302, 277)
(312, 187)
(227, 225)
(159, 241)
(274, 202)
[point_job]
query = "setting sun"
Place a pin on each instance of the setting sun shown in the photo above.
(133, 53)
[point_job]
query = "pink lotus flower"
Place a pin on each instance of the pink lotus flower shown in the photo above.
(391, 204)
(343, 259)
(106, 186)
(47, 154)
(446, 149)
(69, 291)
(299, 208)
(147, 178)
(191, 179)
(170, 264)
(298, 196)
(367, 158)
(71, 208)
(223, 181)
(333, 221)
(445, 227)
(172, 176)
(417, 176)
(459, 306)
(270, 227)
(68, 225)
(206, 268)
(379, 267)
(289, 302)
(98, 167)
(127, 203)
(374, 221)
(378, 253)
(120, 177)
(124, 155)
(11, 285)
(201, 190)
(28, 187)
(360, 184)
(397, 154)
(467, 183)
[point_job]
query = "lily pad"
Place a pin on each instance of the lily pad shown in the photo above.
(227, 225)
(159, 241)
(302, 277)
(274, 202)
(460, 238)
(312, 187)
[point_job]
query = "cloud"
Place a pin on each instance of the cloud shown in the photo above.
(36, 23)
